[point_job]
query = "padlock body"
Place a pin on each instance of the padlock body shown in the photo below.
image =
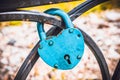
(63, 51)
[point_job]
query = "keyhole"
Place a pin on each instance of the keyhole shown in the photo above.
(67, 58)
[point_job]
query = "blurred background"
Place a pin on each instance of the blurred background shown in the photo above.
(102, 23)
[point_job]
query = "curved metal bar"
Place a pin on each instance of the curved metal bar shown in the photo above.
(6, 5)
(116, 75)
(25, 69)
(29, 16)
(33, 56)
(98, 55)
(28, 64)
(46, 18)
(80, 9)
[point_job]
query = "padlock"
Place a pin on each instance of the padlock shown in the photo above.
(65, 50)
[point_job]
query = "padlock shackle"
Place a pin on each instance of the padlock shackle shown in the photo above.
(54, 11)
(41, 31)
(64, 16)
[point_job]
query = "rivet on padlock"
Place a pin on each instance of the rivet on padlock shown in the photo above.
(40, 46)
(50, 43)
(78, 57)
(79, 35)
(71, 30)
(56, 66)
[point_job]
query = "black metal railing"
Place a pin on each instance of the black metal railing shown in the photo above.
(8, 12)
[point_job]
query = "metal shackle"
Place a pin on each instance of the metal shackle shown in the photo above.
(54, 11)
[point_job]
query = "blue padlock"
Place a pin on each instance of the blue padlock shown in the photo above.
(65, 50)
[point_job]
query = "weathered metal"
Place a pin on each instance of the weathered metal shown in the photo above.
(61, 51)
(33, 56)
(41, 17)
(7, 5)
(29, 16)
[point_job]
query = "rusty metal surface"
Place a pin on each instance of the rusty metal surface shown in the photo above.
(45, 18)
(29, 16)
(6, 5)
(33, 56)
(87, 5)
(30, 60)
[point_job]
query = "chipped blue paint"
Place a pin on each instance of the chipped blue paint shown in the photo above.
(65, 50)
